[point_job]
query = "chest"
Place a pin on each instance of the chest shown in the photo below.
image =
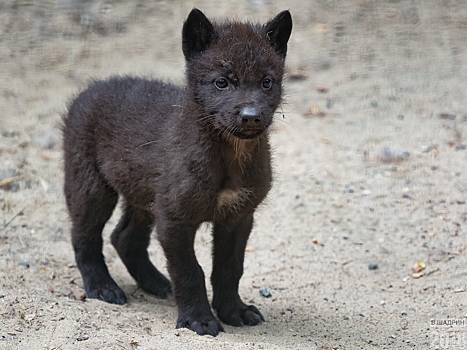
(218, 184)
(232, 200)
(243, 192)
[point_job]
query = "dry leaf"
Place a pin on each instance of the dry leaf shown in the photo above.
(315, 112)
(419, 266)
(322, 89)
(78, 295)
(30, 317)
(298, 74)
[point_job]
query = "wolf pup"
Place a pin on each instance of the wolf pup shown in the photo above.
(178, 157)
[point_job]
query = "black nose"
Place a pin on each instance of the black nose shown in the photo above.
(250, 115)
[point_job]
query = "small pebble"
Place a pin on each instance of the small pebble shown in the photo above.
(388, 155)
(349, 190)
(321, 63)
(374, 104)
(82, 337)
(406, 196)
(10, 133)
(447, 116)
(24, 263)
(46, 141)
(298, 75)
(425, 148)
(265, 293)
(366, 192)
(322, 89)
(373, 267)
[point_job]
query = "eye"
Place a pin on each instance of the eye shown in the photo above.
(221, 83)
(267, 83)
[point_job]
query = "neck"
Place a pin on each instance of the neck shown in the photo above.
(243, 150)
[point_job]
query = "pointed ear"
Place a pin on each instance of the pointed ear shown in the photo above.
(197, 34)
(278, 32)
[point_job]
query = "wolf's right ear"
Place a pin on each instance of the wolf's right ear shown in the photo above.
(197, 34)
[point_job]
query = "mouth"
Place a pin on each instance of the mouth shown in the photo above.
(239, 129)
(247, 134)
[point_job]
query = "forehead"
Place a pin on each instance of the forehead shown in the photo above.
(242, 49)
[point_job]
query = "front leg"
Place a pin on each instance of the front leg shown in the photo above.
(230, 239)
(189, 289)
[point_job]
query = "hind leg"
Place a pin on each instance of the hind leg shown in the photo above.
(131, 240)
(91, 203)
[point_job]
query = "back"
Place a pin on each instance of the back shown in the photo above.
(132, 108)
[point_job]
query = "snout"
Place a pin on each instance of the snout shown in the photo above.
(250, 116)
(250, 123)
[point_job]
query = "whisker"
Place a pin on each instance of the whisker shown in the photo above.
(281, 120)
(146, 143)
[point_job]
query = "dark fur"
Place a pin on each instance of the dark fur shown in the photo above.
(179, 157)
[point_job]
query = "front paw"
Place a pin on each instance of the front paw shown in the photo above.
(109, 293)
(239, 315)
(203, 325)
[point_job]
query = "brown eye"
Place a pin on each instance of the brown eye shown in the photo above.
(267, 83)
(221, 83)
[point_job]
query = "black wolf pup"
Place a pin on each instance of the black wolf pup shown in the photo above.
(179, 157)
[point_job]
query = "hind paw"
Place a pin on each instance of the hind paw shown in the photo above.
(160, 287)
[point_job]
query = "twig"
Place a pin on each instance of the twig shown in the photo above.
(14, 217)
(51, 335)
(9, 180)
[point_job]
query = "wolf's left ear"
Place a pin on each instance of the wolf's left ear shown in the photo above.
(197, 34)
(278, 32)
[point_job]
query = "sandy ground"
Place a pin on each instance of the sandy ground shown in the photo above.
(361, 243)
